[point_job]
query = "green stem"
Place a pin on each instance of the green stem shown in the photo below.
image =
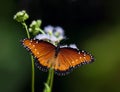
(50, 79)
(42, 31)
(32, 60)
(49, 76)
(26, 28)
(33, 74)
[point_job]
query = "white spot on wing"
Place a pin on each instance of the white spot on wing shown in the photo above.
(36, 41)
(30, 40)
(84, 54)
(85, 58)
(82, 50)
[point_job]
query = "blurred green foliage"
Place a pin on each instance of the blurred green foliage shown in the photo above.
(101, 76)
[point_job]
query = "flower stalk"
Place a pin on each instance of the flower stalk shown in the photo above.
(32, 61)
(21, 17)
(50, 80)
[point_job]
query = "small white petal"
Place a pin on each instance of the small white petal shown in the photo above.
(48, 29)
(42, 36)
(59, 30)
(53, 38)
(73, 46)
(62, 46)
(61, 37)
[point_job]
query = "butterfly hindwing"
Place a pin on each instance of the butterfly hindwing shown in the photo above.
(71, 58)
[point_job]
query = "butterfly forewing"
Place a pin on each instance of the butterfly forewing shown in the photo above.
(43, 51)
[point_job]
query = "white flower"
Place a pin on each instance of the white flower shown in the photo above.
(53, 38)
(73, 46)
(52, 34)
(42, 36)
(58, 31)
(61, 37)
(62, 46)
(49, 29)
(46, 37)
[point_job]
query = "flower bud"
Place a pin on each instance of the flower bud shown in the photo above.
(35, 27)
(21, 16)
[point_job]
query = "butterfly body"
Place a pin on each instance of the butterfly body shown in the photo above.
(57, 49)
(61, 59)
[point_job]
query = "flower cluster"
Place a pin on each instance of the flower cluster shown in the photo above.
(52, 34)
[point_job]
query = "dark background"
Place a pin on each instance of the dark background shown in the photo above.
(94, 25)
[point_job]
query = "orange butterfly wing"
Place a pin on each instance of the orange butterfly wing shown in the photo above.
(66, 60)
(43, 51)
(69, 58)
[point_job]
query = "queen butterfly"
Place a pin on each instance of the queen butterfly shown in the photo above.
(61, 59)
